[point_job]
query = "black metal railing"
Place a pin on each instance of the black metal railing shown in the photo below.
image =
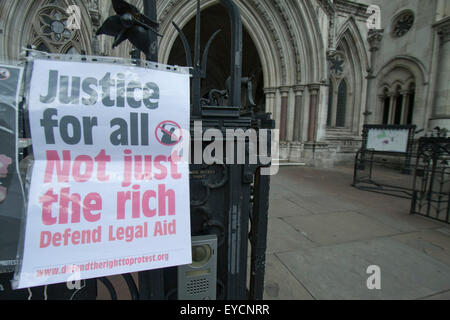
(431, 187)
(385, 172)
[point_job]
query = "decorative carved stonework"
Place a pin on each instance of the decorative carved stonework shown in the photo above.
(51, 24)
(352, 8)
(50, 32)
(443, 28)
(271, 25)
(327, 6)
(94, 11)
(332, 36)
(281, 6)
(169, 6)
(402, 24)
(284, 90)
(374, 38)
(314, 89)
(337, 64)
(269, 91)
(299, 89)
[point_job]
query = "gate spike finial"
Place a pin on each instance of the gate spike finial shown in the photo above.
(197, 36)
(205, 53)
(187, 47)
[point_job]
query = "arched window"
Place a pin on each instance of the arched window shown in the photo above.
(397, 93)
(341, 104)
(337, 105)
(398, 106)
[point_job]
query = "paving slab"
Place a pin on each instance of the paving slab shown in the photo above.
(324, 204)
(439, 296)
(328, 189)
(333, 228)
(341, 230)
(280, 284)
(282, 237)
(399, 218)
(444, 230)
(434, 243)
(283, 207)
(340, 271)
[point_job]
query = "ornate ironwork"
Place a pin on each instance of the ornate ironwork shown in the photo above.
(199, 66)
(227, 198)
(200, 62)
(129, 24)
(431, 197)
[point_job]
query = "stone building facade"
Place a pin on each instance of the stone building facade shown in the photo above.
(323, 68)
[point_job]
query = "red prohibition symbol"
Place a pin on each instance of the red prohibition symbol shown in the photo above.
(168, 133)
(4, 74)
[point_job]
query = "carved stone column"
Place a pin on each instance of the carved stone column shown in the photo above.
(392, 106)
(405, 101)
(283, 118)
(296, 146)
(313, 104)
(441, 110)
(374, 38)
(270, 99)
(298, 90)
(94, 12)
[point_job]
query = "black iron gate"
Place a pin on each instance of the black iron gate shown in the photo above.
(369, 162)
(228, 200)
(431, 188)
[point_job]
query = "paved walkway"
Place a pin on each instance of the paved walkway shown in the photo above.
(324, 234)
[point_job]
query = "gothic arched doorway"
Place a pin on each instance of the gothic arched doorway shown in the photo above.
(218, 69)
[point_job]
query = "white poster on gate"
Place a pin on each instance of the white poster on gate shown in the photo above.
(110, 184)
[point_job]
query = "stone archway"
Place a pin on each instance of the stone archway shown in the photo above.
(291, 47)
(289, 44)
(215, 18)
(350, 46)
(183, 12)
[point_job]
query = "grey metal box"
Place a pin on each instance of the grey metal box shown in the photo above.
(198, 281)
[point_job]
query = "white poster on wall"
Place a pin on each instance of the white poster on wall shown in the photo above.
(110, 186)
(388, 140)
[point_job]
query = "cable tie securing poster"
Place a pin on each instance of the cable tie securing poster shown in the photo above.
(35, 54)
(110, 187)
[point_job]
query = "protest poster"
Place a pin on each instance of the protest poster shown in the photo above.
(110, 186)
(11, 189)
